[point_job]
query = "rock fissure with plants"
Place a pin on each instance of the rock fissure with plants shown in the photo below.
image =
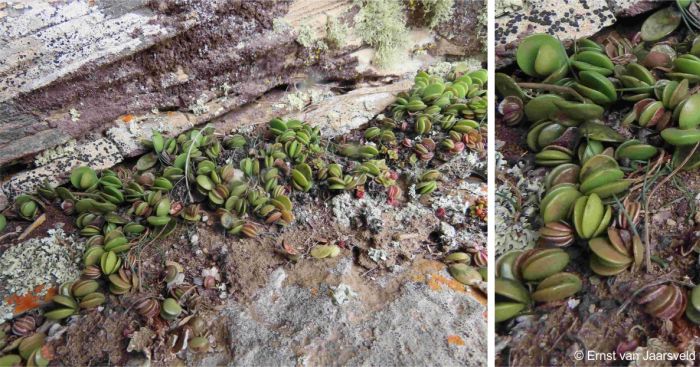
(249, 185)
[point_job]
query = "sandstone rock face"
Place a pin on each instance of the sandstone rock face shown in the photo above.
(89, 71)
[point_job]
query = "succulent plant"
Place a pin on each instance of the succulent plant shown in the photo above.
(566, 173)
(596, 87)
(505, 265)
(65, 306)
(610, 256)
(123, 281)
(27, 207)
(593, 59)
(545, 133)
(692, 311)
(601, 175)
(553, 155)
(30, 344)
(635, 150)
(10, 360)
(557, 287)
(638, 79)
(170, 309)
(148, 308)
(666, 302)
(83, 178)
(458, 257)
(511, 299)
(556, 234)
(558, 202)
(542, 55)
(512, 110)
(24, 325)
(325, 251)
(464, 273)
(110, 262)
(539, 263)
(591, 217)
(660, 24)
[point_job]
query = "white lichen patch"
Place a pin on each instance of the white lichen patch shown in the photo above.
(377, 255)
(343, 294)
(199, 107)
(382, 25)
(516, 208)
(437, 11)
(49, 155)
(74, 115)
(336, 32)
(38, 262)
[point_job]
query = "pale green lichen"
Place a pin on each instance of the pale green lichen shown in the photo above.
(39, 261)
(437, 11)
(377, 255)
(199, 107)
(516, 207)
(49, 155)
(504, 7)
(342, 294)
(382, 25)
(306, 37)
(74, 115)
(336, 33)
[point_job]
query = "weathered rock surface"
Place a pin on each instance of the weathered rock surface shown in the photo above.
(288, 325)
(565, 20)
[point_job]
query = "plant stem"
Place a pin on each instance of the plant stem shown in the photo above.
(553, 88)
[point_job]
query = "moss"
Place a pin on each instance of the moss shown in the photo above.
(382, 25)
(436, 11)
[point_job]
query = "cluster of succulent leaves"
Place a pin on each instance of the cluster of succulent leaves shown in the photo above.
(119, 210)
(572, 96)
(25, 351)
(539, 269)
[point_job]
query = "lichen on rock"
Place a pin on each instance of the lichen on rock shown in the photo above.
(37, 264)
(382, 25)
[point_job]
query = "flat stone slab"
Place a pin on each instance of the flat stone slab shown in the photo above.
(432, 321)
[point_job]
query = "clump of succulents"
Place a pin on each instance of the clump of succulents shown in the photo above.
(542, 269)
(591, 166)
(119, 210)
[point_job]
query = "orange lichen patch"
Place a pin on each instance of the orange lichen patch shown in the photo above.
(171, 113)
(127, 118)
(314, 291)
(455, 340)
(30, 300)
(437, 281)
